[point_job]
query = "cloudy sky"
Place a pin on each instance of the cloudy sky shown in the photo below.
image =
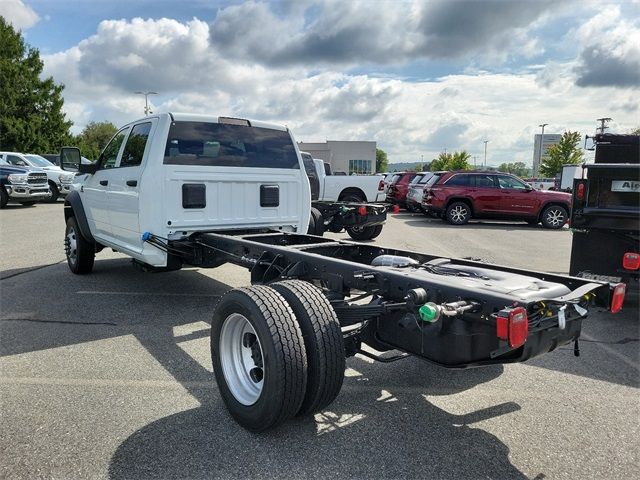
(418, 77)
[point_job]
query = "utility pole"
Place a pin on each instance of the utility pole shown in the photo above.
(147, 109)
(485, 153)
(540, 152)
(603, 124)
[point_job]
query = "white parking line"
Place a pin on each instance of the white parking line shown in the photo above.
(143, 294)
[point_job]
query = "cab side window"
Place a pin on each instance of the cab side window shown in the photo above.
(135, 146)
(461, 180)
(484, 181)
(17, 161)
(511, 183)
(110, 152)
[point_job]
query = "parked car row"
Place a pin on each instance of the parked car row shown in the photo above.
(458, 196)
(30, 178)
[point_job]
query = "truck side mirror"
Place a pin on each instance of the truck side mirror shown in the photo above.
(70, 159)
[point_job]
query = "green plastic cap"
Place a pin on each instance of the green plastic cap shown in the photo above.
(428, 312)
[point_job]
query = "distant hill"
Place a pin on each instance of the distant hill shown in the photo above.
(400, 166)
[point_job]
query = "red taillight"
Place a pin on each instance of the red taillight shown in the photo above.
(362, 211)
(396, 209)
(631, 261)
(381, 185)
(513, 325)
(580, 191)
(618, 297)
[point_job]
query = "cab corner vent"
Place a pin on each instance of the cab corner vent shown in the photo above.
(194, 195)
(269, 195)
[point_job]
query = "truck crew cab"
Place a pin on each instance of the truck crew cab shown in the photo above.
(174, 189)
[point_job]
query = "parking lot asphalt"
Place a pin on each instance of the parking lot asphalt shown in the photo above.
(109, 376)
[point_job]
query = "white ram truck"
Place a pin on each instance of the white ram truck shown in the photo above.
(346, 188)
(173, 190)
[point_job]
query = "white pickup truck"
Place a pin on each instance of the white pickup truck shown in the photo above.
(175, 189)
(344, 188)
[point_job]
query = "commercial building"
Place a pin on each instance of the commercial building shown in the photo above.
(544, 142)
(344, 156)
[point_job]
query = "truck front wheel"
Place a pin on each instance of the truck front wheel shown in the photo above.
(55, 193)
(80, 252)
(364, 233)
(322, 339)
(258, 357)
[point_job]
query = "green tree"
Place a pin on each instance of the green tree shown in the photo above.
(94, 138)
(635, 131)
(31, 117)
(567, 151)
(382, 162)
(519, 169)
(451, 161)
(441, 162)
(459, 161)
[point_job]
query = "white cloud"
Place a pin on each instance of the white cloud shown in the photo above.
(611, 51)
(18, 14)
(407, 119)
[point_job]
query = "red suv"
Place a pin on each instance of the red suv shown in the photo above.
(399, 187)
(461, 195)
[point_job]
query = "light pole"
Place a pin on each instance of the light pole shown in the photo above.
(147, 110)
(485, 153)
(540, 152)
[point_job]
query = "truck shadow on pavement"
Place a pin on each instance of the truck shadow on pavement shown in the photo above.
(382, 424)
(385, 422)
(368, 432)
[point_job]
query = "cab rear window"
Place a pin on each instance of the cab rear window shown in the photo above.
(216, 144)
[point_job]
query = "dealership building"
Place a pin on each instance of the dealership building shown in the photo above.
(543, 142)
(344, 156)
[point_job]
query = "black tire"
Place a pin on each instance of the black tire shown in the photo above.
(322, 339)
(55, 193)
(352, 198)
(4, 197)
(362, 233)
(318, 223)
(458, 213)
(28, 204)
(283, 356)
(377, 231)
(554, 217)
(80, 259)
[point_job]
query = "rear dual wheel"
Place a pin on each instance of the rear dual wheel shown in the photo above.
(364, 233)
(276, 353)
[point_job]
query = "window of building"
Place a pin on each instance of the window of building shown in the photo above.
(359, 166)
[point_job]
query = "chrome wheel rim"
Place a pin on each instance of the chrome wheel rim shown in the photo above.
(71, 245)
(458, 214)
(555, 217)
(241, 358)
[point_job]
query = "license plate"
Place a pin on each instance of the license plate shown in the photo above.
(625, 186)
